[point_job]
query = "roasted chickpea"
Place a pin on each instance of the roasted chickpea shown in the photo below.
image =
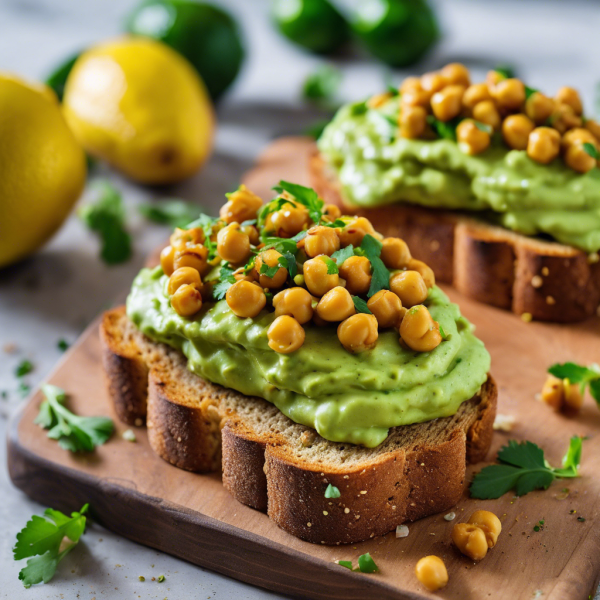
(387, 308)
(561, 394)
(456, 73)
(593, 127)
(415, 97)
(516, 130)
(395, 253)
(410, 287)
(564, 118)
(413, 121)
(447, 103)
(419, 331)
(182, 237)
(431, 572)
(233, 245)
(242, 205)
(167, 256)
(471, 139)
(252, 232)
(470, 540)
(509, 94)
(579, 135)
(410, 83)
(539, 107)
(424, 270)
(486, 112)
(476, 93)
(183, 276)
(186, 301)
(493, 78)
(356, 270)
(245, 299)
(240, 274)
(191, 256)
(285, 335)
(332, 211)
(543, 145)
(358, 332)
(336, 305)
(570, 97)
(578, 159)
(378, 100)
(321, 240)
(289, 220)
(270, 258)
(433, 82)
(489, 523)
(316, 278)
(295, 302)
(355, 231)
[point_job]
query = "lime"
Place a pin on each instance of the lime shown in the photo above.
(313, 24)
(206, 35)
(398, 32)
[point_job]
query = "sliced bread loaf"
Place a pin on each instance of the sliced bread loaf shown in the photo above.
(275, 465)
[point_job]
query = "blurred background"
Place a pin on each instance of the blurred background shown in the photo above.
(270, 69)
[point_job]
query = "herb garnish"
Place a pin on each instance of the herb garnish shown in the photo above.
(332, 492)
(506, 71)
(62, 345)
(380, 279)
(360, 305)
(341, 255)
(206, 223)
(175, 213)
(226, 280)
(43, 539)
(24, 368)
(73, 432)
(524, 469)
(106, 216)
(332, 268)
(366, 564)
(584, 376)
(322, 84)
(591, 150)
(304, 195)
(444, 335)
(444, 129)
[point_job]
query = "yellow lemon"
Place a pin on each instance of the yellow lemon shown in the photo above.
(139, 105)
(42, 168)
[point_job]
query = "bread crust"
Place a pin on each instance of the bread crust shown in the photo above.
(195, 425)
(547, 280)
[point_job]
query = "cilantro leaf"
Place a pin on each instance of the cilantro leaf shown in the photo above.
(494, 481)
(206, 223)
(24, 368)
(72, 432)
(579, 374)
(524, 454)
(288, 261)
(269, 208)
(226, 280)
(591, 150)
(304, 195)
(42, 539)
(332, 492)
(360, 305)
(444, 129)
(332, 268)
(106, 216)
(345, 563)
(366, 564)
(322, 84)
(282, 245)
(380, 278)
(175, 213)
(268, 271)
(506, 71)
(341, 255)
(484, 127)
(572, 458)
(358, 108)
(529, 91)
(595, 390)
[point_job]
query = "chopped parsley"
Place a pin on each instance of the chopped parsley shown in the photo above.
(304, 195)
(174, 213)
(332, 268)
(591, 150)
(345, 563)
(444, 129)
(226, 280)
(322, 84)
(366, 564)
(62, 345)
(207, 224)
(342, 255)
(332, 492)
(24, 368)
(360, 305)
(380, 278)
(584, 376)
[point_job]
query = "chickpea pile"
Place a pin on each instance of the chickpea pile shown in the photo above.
(562, 395)
(524, 118)
(306, 262)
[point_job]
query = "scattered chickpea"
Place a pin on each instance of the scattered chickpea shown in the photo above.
(509, 94)
(332, 211)
(476, 93)
(243, 205)
(321, 240)
(358, 332)
(289, 220)
(539, 107)
(191, 256)
(486, 112)
(562, 395)
(336, 305)
(471, 139)
(470, 540)
(413, 121)
(233, 245)
(419, 331)
(245, 299)
(456, 73)
(424, 270)
(489, 523)
(410, 287)
(447, 103)
(356, 270)
(295, 302)
(569, 96)
(316, 278)
(543, 145)
(183, 276)
(431, 572)
(186, 301)
(387, 309)
(271, 259)
(167, 255)
(355, 231)
(182, 237)
(516, 130)
(285, 335)
(395, 253)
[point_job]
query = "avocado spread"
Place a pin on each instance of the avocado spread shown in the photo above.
(346, 397)
(376, 168)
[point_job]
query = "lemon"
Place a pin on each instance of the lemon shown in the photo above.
(42, 168)
(141, 106)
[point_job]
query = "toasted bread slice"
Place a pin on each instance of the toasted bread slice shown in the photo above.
(275, 465)
(547, 280)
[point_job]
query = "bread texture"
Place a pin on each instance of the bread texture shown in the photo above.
(272, 464)
(547, 280)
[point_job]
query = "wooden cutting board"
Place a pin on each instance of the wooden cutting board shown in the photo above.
(133, 492)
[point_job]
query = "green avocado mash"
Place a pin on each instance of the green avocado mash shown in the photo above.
(376, 168)
(345, 397)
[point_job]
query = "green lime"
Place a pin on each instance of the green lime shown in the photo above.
(398, 32)
(313, 24)
(206, 35)
(58, 77)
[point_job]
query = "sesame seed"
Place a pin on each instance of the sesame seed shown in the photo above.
(346, 476)
(526, 317)
(363, 491)
(593, 258)
(434, 245)
(545, 271)
(138, 422)
(309, 524)
(357, 517)
(325, 513)
(346, 510)
(179, 439)
(550, 300)
(537, 281)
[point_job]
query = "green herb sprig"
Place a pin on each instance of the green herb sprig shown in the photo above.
(174, 213)
(332, 492)
(584, 376)
(340, 256)
(523, 468)
(24, 368)
(226, 280)
(206, 223)
(380, 279)
(366, 564)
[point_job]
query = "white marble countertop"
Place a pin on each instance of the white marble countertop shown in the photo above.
(55, 294)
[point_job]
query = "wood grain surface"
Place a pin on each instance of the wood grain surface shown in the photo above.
(136, 494)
